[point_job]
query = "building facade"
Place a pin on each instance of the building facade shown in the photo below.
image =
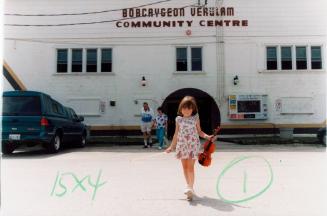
(254, 64)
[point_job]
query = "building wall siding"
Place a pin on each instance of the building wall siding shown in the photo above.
(31, 52)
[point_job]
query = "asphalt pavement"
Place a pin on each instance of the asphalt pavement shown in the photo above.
(105, 180)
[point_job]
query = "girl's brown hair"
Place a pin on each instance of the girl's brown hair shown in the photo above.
(187, 102)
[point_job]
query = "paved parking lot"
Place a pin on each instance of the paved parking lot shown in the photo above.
(267, 180)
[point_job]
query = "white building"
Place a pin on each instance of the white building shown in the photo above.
(250, 63)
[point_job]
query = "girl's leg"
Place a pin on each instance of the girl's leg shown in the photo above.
(185, 169)
(190, 169)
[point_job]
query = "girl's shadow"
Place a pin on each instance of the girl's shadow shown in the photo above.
(214, 203)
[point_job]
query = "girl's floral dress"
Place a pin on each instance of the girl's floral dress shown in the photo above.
(188, 142)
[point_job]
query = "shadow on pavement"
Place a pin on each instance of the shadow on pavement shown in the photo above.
(215, 204)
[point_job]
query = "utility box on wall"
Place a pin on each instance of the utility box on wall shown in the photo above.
(247, 107)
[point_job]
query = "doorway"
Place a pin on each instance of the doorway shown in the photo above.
(208, 109)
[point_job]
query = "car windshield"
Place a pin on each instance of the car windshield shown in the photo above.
(21, 106)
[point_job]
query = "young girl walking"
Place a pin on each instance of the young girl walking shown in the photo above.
(186, 140)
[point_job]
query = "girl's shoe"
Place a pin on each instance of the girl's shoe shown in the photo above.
(186, 190)
(189, 193)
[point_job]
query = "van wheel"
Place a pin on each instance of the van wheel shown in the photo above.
(82, 141)
(55, 144)
(7, 149)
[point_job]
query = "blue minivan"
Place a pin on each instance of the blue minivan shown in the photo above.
(32, 118)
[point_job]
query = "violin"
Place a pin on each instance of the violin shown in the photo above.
(204, 158)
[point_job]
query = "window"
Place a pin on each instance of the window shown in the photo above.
(62, 60)
(196, 59)
(271, 58)
(72, 115)
(77, 60)
(181, 59)
(106, 60)
(61, 110)
(301, 58)
(286, 53)
(84, 60)
(21, 106)
(316, 57)
(186, 56)
(91, 57)
(294, 57)
(55, 108)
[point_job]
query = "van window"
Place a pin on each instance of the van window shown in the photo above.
(69, 114)
(47, 104)
(57, 108)
(73, 114)
(61, 110)
(21, 106)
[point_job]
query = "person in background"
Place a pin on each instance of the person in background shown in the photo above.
(146, 124)
(160, 123)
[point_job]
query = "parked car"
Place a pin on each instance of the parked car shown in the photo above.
(32, 118)
(321, 135)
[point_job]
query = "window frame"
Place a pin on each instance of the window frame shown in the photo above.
(84, 60)
(57, 50)
(306, 57)
(189, 59)
(293, 53)
(100, 60)
(96, 59)
(71, 60)
(281, 57)
(277, 57)
(321, 57)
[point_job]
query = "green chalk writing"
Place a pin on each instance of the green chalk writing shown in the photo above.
(233, 163)
(96, 185)
(54, 186)
(59, 189)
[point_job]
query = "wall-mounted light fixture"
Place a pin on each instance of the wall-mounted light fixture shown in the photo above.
(112, 103)
(143, 81)
(236, 80)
